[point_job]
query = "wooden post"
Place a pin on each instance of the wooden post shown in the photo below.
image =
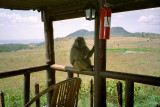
(2, 99)
(77, 75)
(26, 92)
(129, 94)
(69, 74)
(99, 64)
(49, 44)
(91, 93)
(158, 105)
(119, 91)
(36, 92)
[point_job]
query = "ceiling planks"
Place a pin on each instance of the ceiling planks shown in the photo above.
(66, 9)
(133, 5)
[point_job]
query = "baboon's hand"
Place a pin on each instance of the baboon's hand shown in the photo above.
(90, 53)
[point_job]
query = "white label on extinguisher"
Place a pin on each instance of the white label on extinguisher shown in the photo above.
(107, 21)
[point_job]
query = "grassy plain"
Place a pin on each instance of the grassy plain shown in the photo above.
(143, 57)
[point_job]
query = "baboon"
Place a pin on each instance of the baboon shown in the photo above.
(80, 55)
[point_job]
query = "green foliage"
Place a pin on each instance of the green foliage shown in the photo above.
(84, 95)
(144, 95)
(43, 98)
(40, 45)
(13, 47)
(130, 49)
(13, 97)
(111, 87)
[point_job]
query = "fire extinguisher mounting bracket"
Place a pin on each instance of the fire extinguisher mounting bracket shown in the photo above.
(106, 5)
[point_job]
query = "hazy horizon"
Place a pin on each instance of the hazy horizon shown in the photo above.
(16, 24)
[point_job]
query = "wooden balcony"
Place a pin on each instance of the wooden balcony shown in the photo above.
(53, 10)
(129, 79)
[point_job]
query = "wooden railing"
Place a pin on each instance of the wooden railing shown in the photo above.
(26, 72)
(12, 73)
(144, 79)
(71, 69)
(129, 79)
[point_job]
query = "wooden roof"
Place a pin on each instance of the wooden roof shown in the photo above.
(65, 9)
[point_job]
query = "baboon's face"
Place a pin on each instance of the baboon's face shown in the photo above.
(80, 43)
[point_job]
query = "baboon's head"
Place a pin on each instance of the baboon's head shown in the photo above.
(79, 42)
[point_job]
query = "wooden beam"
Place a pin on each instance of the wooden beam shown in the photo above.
(49, 45)
(69, 74)
(36, 88)
(116, 6)
(62, 10)
(120, 92)
(2, 99)
(71, 69)
(26, 92)
(91, 94)
(144, 79)
(129, 94)
(69, 7)
(131, 5)
(12, 73)
(99, 64)
(69, 15)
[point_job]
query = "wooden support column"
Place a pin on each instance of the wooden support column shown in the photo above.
(69, 74)
(49, 45)
(91, 93)
(2, 99)
(36, 92)
(129, 94)
(100, 64)
(26, 92)
(119, 92)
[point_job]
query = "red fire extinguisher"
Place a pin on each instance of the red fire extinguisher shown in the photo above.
(105, 22)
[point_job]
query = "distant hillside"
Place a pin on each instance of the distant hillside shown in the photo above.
(13, 47)
(29, 41)
(119, 31)
(146, 35)
(115, 32)
(82, 33)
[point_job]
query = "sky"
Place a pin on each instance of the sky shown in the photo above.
(18, 25)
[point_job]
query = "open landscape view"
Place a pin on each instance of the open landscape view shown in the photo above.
(133, 48)
(139, 55)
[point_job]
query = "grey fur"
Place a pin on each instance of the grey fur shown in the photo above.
(80, 55)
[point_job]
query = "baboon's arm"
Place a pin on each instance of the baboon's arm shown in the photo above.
(71, 57)
(90, 53)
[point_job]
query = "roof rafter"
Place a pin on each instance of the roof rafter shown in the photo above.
(66, 9)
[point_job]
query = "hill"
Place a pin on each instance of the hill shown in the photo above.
(82, 33)
(13, 47)
(119, 31)
(29, 41)
(146, 35)
(115, 32)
